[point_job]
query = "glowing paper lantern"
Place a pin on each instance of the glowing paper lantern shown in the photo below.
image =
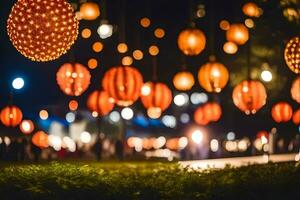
(230, 48)
(191, 41)
(73, 105)
(92, 63)
(145, 22)
(237, 33)
(282, 112)
(251, 9)
(123, 84)
(100, 102)
(72, 79)
(296, 117)
(138, 54)
(209, 112)
(97, 47)
(86, 33)
(153, 50)
(249, 96)
(11, 116)
(213, 76)
(295, 90)
(159, 33)
(127, 61)
(40, 139)
(159, 97)
(292, 54)
(184, 81)
(122, 48)
(89, 11)
(26, 126)
(42, 30)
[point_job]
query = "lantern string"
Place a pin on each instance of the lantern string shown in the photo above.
(249, 58)
(103, 7)
(122, 21)
(192, 14)
(211, 27)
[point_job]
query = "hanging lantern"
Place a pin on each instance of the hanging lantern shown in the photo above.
(158, 97)
(183, 81)
(40, 139)
(213, 76)
(73, 105)
(42, 30)
(209, 112)
(296, 117)
(237, 33)
(292, 54)
(251, 9)
(230, 48)
(11, 116)
(295, 90)
(191, 41)
(73, 80)
(123, 84)
(89, 11)
(100, 102)
(249, 96)
(199, 116)
(282, 112)
(26, 126)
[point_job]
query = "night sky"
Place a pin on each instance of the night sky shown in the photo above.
(272, 30)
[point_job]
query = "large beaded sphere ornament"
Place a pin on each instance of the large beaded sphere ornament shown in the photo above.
(292, 54)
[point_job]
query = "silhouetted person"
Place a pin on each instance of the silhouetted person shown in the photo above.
(119, 149)
(36, 152)
(97, 148)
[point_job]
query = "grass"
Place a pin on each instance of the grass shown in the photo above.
(148, 181)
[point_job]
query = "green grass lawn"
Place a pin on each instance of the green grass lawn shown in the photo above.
(133, 180)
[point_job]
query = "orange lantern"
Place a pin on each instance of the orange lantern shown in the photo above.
(11, 116)
(173, 144)
(123, 84)
(251, 9)
(72, 79)
(100, 102)
(191, 41)
(26, 126)
(230, 48)
(209, 112)
(292, 54)
(89, 11)
(42, 30)
(237, 33)
(295, 90)
(73, 105)
(184, 81)
(282, 112)
(213, 76)
(40, 139)
(262, 134)
(296, 117)
(199, 116)
(249, 96)
(158, 96)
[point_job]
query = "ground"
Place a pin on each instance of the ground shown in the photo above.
(147, 180)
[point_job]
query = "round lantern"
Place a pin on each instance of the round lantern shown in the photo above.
(212, 111)
(295, 90)
(159, 96)
(11, 116)
(73, 105)
(249, 96)
(282, 112)
(296, 117)
(89, 11)
(183, 81)
(40, 139)
(199, 116)
(74, 79)
(292, 54)
(100, 102)
(123, 84)
(191, 41)
(213, 76)
(251, 9)
(237, 33)
(26, 126)
(42, 30)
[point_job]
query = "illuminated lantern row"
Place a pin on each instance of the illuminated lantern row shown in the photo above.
(251, 9)
(11, 116)
(209, 112)
(100, 102)
(237, 33)
(292, 54)
(249, 96)
(26, 127)
(213, 76)
(89, 11)
(183, 81)
(295, 90)
(156, 98)
(282, 112)
(73, 80)
(42, 30)
(191, 41)
(296, 117)
(40, 139)
(123, 84)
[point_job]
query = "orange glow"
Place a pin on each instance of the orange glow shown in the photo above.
(191, 41)
(99, 102)
(292, 54)
(26, 126)
(127, 61)
(153, 50)
(97, 47)
(209, 112)
(138, 54)
(145, 22)
(11, 116)
(237, 33)
(122, 48)
(282, 112)
(295, 90)
(73, 105)
(159, 33)
(183, 81)
(251, 9)
(86, 33)
(92, 63)
(89, 11)
(296, 117)
(230, 48)
(44, 114)
(40, 139)
(224, 25)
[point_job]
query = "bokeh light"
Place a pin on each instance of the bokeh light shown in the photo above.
(44, 114)
(127, 113)
(92, 63)
(86, 33)
(97, 47)
(18, 83)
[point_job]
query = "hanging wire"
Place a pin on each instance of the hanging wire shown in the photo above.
(249, 57)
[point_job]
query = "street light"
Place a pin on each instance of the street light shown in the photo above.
(197, 136)
(266, 76)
